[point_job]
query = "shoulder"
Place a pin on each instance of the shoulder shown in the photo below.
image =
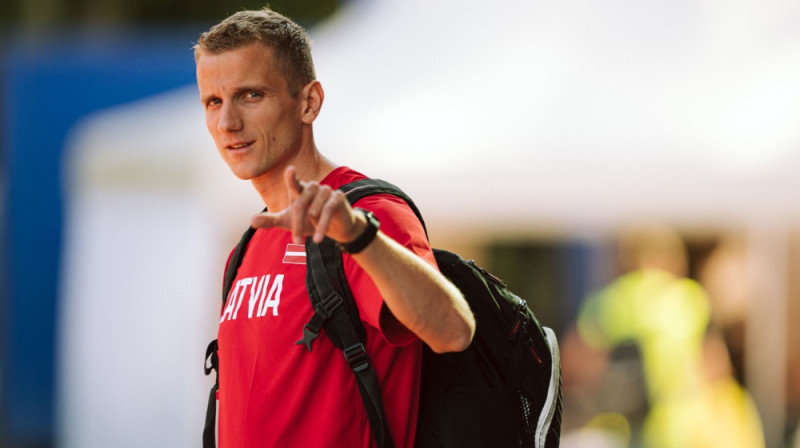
(399, 223)
(398, 220)
(392, 211)
(342, 175)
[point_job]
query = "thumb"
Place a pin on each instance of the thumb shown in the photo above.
(293, 184)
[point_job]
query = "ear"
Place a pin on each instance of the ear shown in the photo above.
(313, 96)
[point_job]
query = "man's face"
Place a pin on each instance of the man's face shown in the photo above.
(255, 123)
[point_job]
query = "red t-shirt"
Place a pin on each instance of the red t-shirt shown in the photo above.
(274, 393)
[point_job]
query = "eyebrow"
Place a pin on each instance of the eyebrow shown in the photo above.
(244, 89)
(240, 91)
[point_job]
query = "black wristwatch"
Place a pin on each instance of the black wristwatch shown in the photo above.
(366, 237)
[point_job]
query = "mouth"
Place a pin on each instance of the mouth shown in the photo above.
(240, 145)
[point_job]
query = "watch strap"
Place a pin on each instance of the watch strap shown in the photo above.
(366, 236)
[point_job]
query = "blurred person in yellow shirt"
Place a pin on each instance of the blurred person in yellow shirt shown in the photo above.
(694, 399)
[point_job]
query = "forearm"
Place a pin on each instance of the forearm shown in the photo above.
(418, 296)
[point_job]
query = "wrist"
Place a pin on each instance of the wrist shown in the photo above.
(365, 237)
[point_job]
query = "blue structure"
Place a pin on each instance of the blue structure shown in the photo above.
(47, 87)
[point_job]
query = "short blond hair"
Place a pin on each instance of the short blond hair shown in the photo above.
(289, 41)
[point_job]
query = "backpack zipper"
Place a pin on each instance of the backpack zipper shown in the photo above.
(521, 318)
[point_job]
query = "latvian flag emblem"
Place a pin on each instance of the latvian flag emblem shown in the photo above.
(295, 254)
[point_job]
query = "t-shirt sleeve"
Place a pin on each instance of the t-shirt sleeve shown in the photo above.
(400, 223)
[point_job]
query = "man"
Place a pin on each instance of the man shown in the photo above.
(257, 85)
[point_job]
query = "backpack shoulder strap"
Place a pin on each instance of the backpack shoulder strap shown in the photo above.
(335, 309)
(211, 362)
(235, 262)
(325, 281)
(367, 187)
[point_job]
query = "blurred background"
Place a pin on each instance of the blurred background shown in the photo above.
(630, 168)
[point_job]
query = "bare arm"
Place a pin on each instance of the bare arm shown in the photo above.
(418, 296)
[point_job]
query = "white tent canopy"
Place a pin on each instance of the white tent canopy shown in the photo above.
(569, 112)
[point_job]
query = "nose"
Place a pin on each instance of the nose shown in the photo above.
(229, 119)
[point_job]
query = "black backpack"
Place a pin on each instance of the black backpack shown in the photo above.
(504, 390)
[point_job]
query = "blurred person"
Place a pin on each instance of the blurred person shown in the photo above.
(724, 275)
(594, 408)
(257, 84)
(693, 398)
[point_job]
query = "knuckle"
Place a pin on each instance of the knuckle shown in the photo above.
(338, 197)
(334, 201)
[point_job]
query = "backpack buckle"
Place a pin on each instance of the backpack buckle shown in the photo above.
(322, 312)
(356, 356)
(308, 337)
